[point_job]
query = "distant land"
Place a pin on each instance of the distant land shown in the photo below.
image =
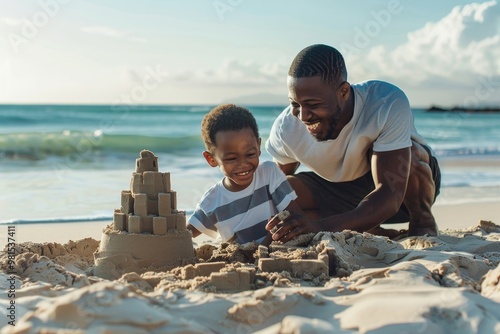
(262, 99)
(464, 109)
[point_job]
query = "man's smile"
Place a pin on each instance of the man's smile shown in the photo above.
(312, 127)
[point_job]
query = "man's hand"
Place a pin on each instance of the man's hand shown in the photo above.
(292, 226)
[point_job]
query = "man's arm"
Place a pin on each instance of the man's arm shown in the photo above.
(289, 169)
(390, 172)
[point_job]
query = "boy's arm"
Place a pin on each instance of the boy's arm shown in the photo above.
(193, 230)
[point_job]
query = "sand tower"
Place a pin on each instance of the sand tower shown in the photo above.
(148, 233)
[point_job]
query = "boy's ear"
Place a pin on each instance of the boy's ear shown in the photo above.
(210, 159)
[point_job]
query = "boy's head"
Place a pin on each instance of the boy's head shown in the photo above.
(226, 117)
(231, 136)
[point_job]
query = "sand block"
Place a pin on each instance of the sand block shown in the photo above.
(188, 272)
(274, 265)
(121, 253)
(147, 162)
(159, 225)
(152, 205)
(127, 202)
(205, 269)
(171, 222)
(166, 182)
(153, 184)
(147, 224)
(136, 183)
(262, 252)
(134, 224)
(238, 280)
(310, 266)
(164, 204)
(141, 205)
(119, 221)
(325, 258)
(173, 201)
(181, 220)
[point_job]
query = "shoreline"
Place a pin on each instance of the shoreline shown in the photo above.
(448, 216)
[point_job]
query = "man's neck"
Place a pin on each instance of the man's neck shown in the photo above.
(346, 114)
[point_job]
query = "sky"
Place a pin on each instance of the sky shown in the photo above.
(212, 51)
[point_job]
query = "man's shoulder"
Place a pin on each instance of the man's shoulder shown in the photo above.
(373, 93)
(375, 86)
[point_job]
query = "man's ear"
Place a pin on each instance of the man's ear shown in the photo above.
(345, 90)
(210, 159)
(259, 141)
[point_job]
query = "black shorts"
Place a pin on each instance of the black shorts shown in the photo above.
(335, 198)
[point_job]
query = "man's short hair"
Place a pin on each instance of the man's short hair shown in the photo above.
(319, 60)
(226, 117)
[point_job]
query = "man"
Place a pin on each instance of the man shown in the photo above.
(368, 163)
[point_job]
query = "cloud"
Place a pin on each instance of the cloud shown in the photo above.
(111, 32)
(457, 49)
(236, 73)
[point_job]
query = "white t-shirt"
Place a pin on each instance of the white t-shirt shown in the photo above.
(242, 216)
(382, 120)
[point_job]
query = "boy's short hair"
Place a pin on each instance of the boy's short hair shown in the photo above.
(226, 117)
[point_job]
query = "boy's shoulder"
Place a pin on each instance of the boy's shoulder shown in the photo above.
(268, 171)
(211, 192)
(267, 165)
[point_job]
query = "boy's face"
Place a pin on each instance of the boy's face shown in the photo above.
(237, 155)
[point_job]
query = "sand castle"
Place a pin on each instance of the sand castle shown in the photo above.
(148, 232)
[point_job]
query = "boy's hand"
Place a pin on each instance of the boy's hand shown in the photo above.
(285, 227)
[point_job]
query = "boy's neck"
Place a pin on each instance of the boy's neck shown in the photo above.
(232, 187)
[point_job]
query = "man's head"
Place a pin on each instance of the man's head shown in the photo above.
(319, 60)
(231, 136)
(318, 91)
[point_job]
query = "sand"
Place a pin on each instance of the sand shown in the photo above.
(329, 282)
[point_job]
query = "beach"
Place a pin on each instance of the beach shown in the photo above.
(104, 174)
(63, 186)
(457, 216)
(443, 284)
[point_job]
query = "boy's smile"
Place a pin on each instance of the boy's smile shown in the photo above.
(237, 155)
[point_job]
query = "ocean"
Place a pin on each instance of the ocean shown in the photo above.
(64, 163)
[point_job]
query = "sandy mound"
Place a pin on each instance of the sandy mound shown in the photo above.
(328, 282)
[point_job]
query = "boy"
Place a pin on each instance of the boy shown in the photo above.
(238, 207)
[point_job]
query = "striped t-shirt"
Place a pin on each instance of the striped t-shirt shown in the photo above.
(242, 216)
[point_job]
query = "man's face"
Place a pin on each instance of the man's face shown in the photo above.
(317, 105)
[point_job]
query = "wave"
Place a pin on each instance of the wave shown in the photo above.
(38, 146)
(56, 220)
(467, 151)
